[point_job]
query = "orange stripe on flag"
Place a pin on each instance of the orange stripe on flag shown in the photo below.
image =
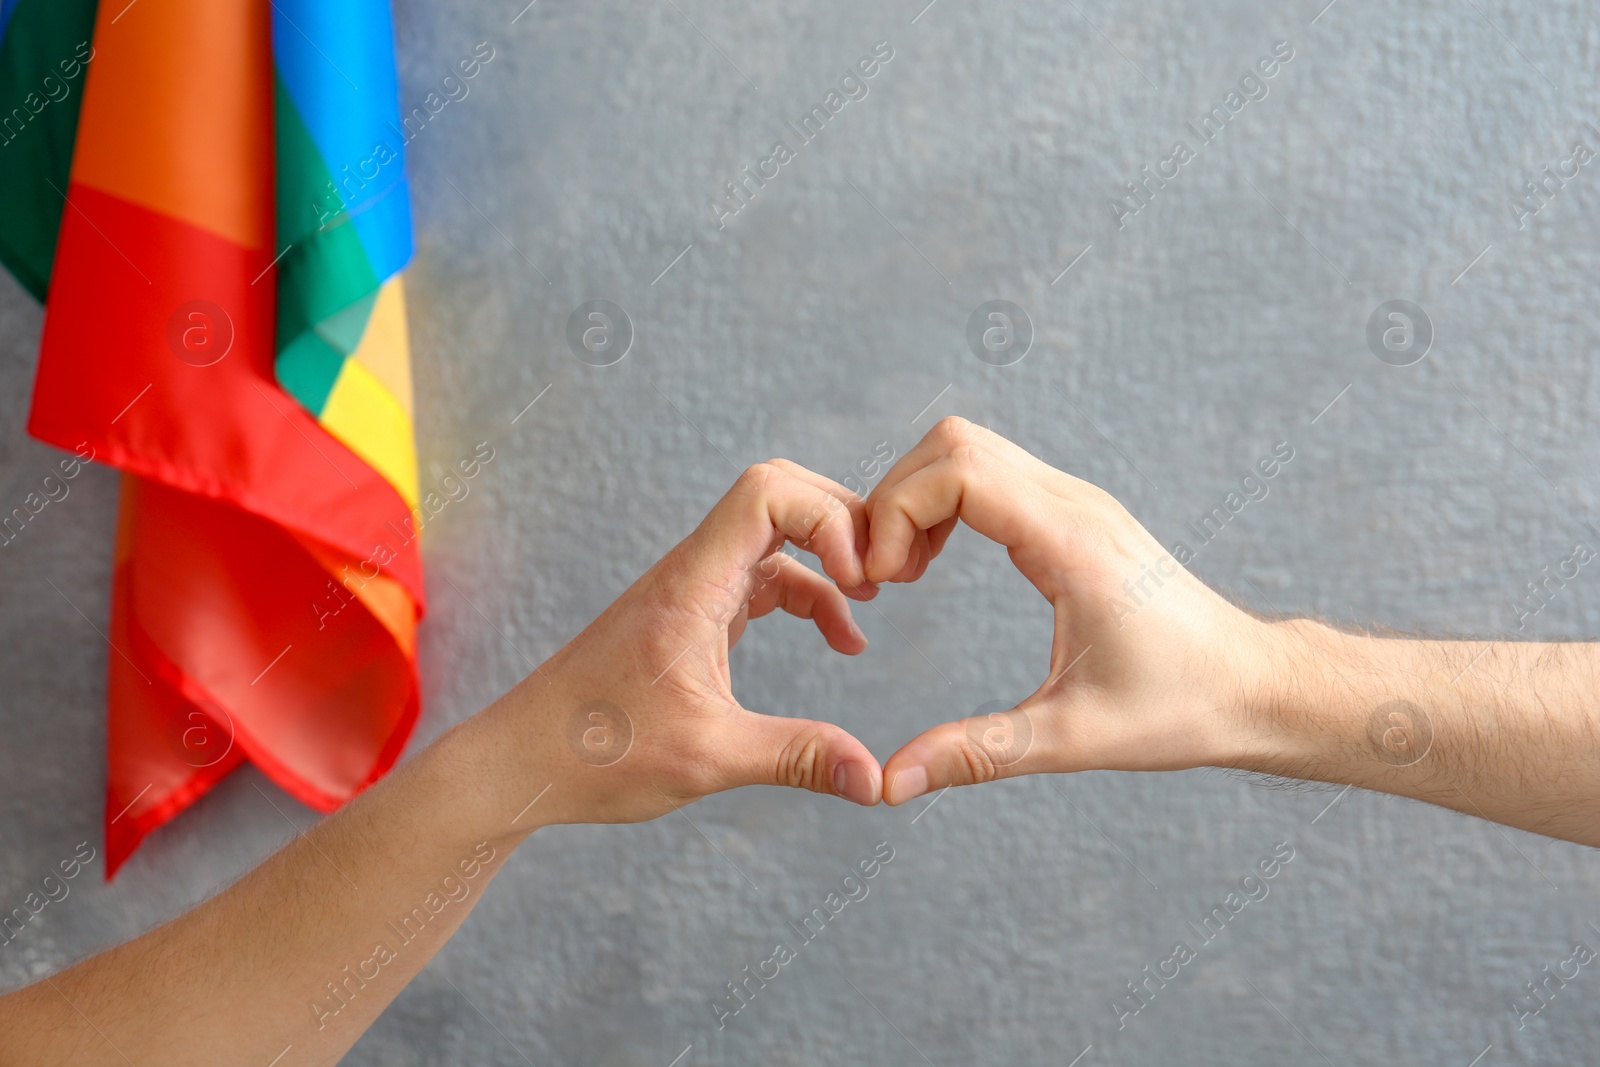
(177, 113)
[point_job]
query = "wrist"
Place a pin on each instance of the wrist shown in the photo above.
(1289, 710)
(480, 766)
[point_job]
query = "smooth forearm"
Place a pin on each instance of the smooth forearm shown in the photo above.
(631, 720)
(304, 951)
(1504, 730)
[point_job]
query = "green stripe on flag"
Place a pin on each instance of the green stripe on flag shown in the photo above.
(326, 282)
(309, 365)
(43, 64)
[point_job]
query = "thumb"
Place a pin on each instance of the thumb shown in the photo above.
(803, 754)
(998, 744)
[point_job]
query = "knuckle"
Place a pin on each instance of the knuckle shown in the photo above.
(953, 430)
(800, 763)
(759, 476)
(978, 761)
(971, 457)
(1099, 497)
(771, 569)
(810, 524)
(818, 517)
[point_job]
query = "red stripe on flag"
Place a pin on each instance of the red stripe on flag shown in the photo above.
(221, 654)
(117, 368)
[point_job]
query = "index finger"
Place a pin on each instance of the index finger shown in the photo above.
(953, 432)
(769, 505)
(981, 489)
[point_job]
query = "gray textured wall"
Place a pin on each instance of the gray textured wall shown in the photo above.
(1221, 318)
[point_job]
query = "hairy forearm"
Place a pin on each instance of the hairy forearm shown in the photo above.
(1504, 730)
(305, 951)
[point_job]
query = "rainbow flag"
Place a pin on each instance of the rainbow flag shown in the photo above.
(211, 200)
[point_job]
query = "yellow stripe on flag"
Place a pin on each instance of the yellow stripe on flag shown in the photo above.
(363, 409)
(385, 347)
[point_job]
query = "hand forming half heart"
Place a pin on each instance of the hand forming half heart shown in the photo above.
(1149, 669)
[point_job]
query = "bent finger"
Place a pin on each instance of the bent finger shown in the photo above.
(767, 506)
(805, 594)
(920, 554)
(954, 432)
(981, 490)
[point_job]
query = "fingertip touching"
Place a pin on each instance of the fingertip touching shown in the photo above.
(804, 754)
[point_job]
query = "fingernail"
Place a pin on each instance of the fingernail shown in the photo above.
(853, 782)
(909, 784)
(866, 565)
